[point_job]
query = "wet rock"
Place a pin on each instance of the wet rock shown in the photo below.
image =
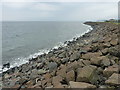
(81, 85)
(110, 70)
(88, 74)
(74, 56)
(52, 66)
(70, 76)
(113, 79)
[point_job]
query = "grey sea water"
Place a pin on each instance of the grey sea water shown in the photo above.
(22, 39)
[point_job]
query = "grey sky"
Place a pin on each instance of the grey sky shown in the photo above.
(59, 11)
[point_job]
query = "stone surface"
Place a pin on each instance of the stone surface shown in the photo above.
(81, 85)
(75, 56)
(70, 76)
(96, 60)
(105, 61)
(113, 79)
(90, 55)
(110, 70)
(88, 74)
(52, 66)
(41, 71)
(56, 80)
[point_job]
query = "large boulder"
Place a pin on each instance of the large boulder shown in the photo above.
(81, 85)
(110, 70)
(88, 74)
(70, 76)
(113, 79)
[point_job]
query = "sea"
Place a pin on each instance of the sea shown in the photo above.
(23, 40)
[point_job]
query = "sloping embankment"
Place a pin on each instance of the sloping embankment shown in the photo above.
(90, 61)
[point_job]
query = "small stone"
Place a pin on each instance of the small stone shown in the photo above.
(113, 79)
(81, 85)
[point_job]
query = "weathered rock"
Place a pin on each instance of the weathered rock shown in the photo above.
(110, 70)
(41, 71)
(72, 66)
(62, 72)
(70, 76)
(86, 62)
(62, 55)
(52, 66)
(114, 41)
(64, 60)
(105, 61)
(38, 85)
(96, 60)
(113, 79)
(81, 85)
(105, 51)
(114, 51)
(88, 74)
(75, 56)
(89, 55)
(59, 86)
(56, 80)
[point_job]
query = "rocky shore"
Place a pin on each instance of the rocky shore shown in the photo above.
(90, 61)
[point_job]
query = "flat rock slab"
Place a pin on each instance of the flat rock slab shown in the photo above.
(81, 85)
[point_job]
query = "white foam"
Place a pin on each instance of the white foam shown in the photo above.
(19, 61)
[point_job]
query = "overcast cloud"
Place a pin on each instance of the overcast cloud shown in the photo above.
(58, 11)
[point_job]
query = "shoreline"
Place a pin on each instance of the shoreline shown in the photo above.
(44, 51)
(66, 66)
